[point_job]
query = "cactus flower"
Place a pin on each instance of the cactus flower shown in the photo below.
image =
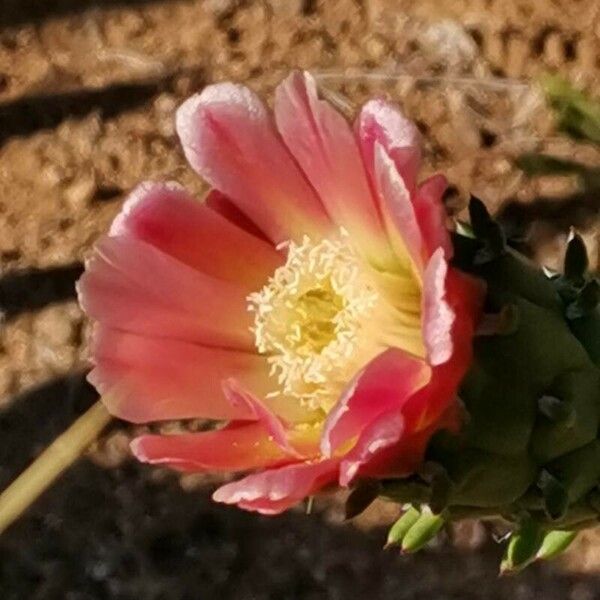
(308, 304)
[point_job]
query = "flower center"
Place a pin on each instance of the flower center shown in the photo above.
(315, 312)
(312, 320)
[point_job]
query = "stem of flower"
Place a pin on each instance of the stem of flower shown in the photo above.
(47, 467)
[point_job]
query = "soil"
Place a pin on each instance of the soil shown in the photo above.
(88, 90)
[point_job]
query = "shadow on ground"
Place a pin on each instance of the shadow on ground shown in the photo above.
(26, 290)
(115, 534)
(24, 116)
(579, 210)
(22, 12)
(119, 535)
(37, 416)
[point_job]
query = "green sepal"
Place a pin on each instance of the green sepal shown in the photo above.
(504, 322)
(587, 330)
(441, 492)
(464, 229)
(579, 471)
(557, 410)
(422, 531)
(576, 260)
(406, 491)
(440, 484)
(586, 301)
(361, 497)
(555, 543)
(531, 399)
(555, 494)
(481, 479)
(523, 547)
(501, 389)
(487, 231)
(400, 528)
(593, 499)
(580, 390)
(501, 414)
(512, 276)
(481, 220)
(578, 516)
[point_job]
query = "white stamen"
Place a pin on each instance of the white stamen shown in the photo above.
(315, 320)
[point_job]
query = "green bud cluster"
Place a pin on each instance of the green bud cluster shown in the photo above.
(528, 452)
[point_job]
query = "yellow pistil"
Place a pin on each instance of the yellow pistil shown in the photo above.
(321, 317)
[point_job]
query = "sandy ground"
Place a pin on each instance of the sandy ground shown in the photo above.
(88, 91)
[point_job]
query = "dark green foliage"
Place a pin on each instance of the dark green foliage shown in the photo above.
(528, 451)
(523, 546)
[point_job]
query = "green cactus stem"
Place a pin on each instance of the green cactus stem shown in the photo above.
(528, 452)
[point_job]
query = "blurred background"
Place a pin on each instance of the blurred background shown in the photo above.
(88, 89)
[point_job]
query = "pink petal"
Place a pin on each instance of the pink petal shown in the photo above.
(395, 442)
(385, 383)
(276, 490)
(133, 286)
(237, 447)
(431, 215)
(380, 122)
(386, 449)
(394, 445)
(166, 217)
(438, 316)
(285, 420)
(464, 295)
(398, 212)
(144, 379)
(323, 144)
(270, 422)
(221, 204)
(379, 435)
(229, 139)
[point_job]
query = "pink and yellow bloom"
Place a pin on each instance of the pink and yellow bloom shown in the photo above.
(308, 303)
